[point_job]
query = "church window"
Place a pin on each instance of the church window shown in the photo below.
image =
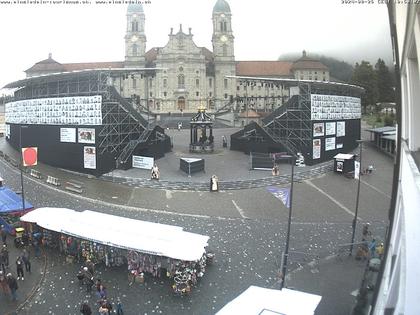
(210, 94)
(316, 78)
(151, 94)
(134, 26)
(165, 94)
(226, 95)
(181, 69)
(134, 83)
(165, 83)
(224, 26)
(224, 50)
(210, 82)
(197, 82)
(225, 83)
(181, 81)
(237, 88)
(150, 82)
(134, 50)
(197, 93)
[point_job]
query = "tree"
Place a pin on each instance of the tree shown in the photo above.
(385, 82)
(365, 76)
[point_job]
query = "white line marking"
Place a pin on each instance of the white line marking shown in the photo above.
(376, 189)
(241, 212)
(332, 199)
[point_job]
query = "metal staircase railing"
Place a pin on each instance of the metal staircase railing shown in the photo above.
(131, 145)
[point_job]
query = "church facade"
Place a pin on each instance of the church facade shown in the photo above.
(186, 77)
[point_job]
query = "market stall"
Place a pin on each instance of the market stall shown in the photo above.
(146, 247)
(11, 208)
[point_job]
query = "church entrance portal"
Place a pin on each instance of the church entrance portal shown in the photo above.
(181, 103)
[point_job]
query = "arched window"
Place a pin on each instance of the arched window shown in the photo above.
(134, 50)
(181, 81)
(224, 50)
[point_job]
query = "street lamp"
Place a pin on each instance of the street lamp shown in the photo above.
(291, 158)
(360, 142)
(21, 165)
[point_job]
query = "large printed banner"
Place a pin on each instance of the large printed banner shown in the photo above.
(77, 110)
(334, 107)
(316, 149)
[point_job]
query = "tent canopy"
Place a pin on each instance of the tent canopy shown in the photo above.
(256, 300)
(146, 237)
(11, 202)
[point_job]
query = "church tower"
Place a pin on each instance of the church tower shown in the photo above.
(223, 51)
(135, 38)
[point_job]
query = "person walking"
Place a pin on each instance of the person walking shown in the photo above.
(13, 285)
(4, 287)
(19, 268)
(2, 263)
(102, 309)
(5, 254)
(26, 260)
(119, 309)
(88, 277)
(85, 308)
(3, 234)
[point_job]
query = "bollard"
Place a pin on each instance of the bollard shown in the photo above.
(53, 181)
(35, 173)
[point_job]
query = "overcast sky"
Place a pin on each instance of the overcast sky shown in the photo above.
(263, 30)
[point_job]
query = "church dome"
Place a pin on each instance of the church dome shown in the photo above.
(135, 8)
(221, 6)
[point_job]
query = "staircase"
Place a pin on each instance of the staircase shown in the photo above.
(131, 145)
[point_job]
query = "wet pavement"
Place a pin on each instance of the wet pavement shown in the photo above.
(247, 229)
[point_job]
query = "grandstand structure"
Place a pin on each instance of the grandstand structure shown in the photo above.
(319, 120)
(79, 121)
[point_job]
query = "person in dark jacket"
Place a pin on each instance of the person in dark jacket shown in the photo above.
(19, 268)
(13, 286)
(26, 259)
(85, 309)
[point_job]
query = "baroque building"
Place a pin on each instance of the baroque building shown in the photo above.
(186, 77)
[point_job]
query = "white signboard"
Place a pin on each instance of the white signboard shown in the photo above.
(332, 107)
(329, 144)
(89, 157)
(339, 146)
(68, 135)
(7, 131)
(318, 129)
(341, 128)
(143, 162)
(356, 169)
(329, 128)
(77, 110)
(86, 135)
(316, 148)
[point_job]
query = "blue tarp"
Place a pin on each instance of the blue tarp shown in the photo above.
(11, 202)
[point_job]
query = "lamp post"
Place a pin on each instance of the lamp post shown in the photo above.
(357, 197)
(21, 165)
(289, 222)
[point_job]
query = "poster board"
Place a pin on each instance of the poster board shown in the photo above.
(316, 149)
(330, 144)
(318, 129)
(341, 128)
(143, 162)
(76, 110)
(330, 128)
(68, 135)
(333, 107)
(86, 135)
(89, 157)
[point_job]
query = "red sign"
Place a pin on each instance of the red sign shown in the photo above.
(30, 156)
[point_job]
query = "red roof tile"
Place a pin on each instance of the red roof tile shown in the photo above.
(263, 68)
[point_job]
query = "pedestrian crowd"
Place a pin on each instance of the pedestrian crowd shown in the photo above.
(86, 277)
(369, 248)
(8, 281)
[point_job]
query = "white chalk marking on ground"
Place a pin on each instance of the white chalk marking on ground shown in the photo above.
(168, 194)
(332, 199)
(241, 211)
(376, 189)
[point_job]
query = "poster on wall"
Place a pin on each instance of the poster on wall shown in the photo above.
(68, 135)
(86, 135)
(329, 144)
(340, 165)
(318, 129)
(333, 107)
(330, 128)
(341, 128)
(143, 162)
(316, 149)
(339, 146)
(7, 131)
(76, 110)
(89, 157)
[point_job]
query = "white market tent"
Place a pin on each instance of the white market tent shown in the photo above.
(146, 237)
(256, 300)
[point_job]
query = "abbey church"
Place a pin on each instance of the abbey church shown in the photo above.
(185, 76)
